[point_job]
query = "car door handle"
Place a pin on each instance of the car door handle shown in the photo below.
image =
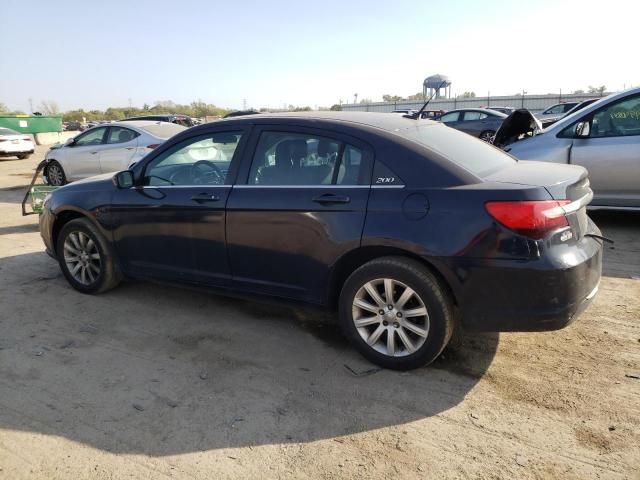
(129, 148)
(330, 198)
(205, 197)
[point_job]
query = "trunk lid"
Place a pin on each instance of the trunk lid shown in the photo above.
(562, 182)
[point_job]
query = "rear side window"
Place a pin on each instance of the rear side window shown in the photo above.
(470, 116)
(283, 158)
(479, 157)
(383, 175)
(121, 135)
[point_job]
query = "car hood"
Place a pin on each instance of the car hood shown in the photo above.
(517, 126)
(98, 182)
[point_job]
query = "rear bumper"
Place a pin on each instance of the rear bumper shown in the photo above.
(547, 293)
(18, 151)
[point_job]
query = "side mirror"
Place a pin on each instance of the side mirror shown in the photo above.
(69, 141)
(583, 129)
(123, 179)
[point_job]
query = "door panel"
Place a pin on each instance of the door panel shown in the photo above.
(119, 149)
(614, 168)
(173, 225)
(301, 207)
(82, 158)
(282, 242)
(169, 232)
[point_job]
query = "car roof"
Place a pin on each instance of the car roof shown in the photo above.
(134, 123)
(383, 121)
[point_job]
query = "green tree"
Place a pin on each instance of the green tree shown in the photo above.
(49, 107)
(578, 92)
(3, 108)
(468, 95)
(599, 90)
(416, 96)
(335, 107)
(391, 98)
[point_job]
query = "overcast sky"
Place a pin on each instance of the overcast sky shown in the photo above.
(95, 54)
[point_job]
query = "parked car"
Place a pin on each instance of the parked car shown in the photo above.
(555, 110)
(105, 148)
(176, 118)
(505, 110)
(241, 113)
(604, 137)
(72, 126)
(479, 122)
(406, 227)
(550, 120)
(15, 144)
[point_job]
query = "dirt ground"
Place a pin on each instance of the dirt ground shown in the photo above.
(150, 381)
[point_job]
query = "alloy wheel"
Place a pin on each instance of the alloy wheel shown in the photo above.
(390, 317)
(82, 258)
(55, 175)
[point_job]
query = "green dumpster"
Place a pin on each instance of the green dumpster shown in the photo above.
(32, 123)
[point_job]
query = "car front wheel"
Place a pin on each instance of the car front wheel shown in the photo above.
(396, 313)
(85, 257)
(55, 174)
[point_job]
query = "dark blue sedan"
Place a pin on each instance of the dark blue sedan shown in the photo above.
(407, 228)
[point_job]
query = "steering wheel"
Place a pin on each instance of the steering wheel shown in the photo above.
(202, 177)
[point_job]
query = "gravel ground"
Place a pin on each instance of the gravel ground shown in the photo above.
(149, 381)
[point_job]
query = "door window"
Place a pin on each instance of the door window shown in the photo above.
(621, 118)
(470, 116)
(450, 117)
(121, 135)
(555, 110)
(302, 159)
(203, 160)
(92, 137)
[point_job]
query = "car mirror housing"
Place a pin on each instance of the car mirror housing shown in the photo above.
(69, 141)
(583, 129)
(123, 179)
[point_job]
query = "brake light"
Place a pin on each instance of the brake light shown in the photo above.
(153, 145)
(26, 139)
(530, 218)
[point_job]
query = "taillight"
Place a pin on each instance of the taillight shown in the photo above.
(153, 145)
(531, 218)
(26, 139)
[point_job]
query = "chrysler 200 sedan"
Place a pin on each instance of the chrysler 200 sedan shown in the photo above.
(406, 227)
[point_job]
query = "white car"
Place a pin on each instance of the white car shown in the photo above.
(105, 148)
(15, 144)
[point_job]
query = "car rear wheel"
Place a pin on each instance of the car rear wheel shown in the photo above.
(85, 257)
(487, 135)
(55, 174)
(396, 313)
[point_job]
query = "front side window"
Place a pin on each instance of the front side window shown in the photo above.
(618, 119)
(92, 137)
(203, 160)
(555, 110)
(120, 135)
(301, 159)
(450, 117)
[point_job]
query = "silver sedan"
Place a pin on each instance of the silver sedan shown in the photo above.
(603, 137)
(105, 148)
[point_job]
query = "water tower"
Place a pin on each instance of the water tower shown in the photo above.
(438, 84)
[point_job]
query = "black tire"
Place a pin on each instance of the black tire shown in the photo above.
(23, 156)
(487, 135)
(108, 275)
(55, 174)
(406, 273)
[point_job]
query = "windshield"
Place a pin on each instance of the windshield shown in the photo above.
(8, 131)
(477, 156)
(163, 129)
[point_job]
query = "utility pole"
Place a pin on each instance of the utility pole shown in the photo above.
(524, 92)
(355, 98)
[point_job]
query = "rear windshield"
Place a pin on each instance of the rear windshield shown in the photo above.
(163, 129)
(8, 131)
(475, 155)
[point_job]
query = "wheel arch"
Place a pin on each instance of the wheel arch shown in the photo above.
(63, 217)
(354, 259)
